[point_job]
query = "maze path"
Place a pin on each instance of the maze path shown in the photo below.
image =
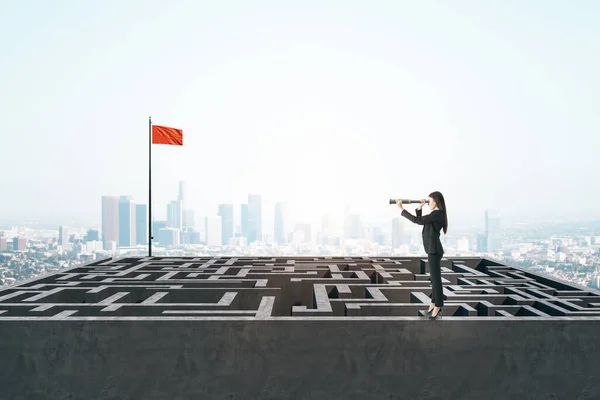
(291, 287)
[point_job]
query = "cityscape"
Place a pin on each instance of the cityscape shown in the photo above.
(563, 250)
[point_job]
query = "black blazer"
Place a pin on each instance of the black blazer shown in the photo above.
(432, 225)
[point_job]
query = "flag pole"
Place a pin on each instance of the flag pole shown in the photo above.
(150, 187)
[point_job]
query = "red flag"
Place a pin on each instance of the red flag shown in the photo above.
(166, 135)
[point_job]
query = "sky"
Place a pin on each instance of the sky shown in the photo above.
(317, 104)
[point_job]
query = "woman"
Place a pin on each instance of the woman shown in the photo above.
(432, 223)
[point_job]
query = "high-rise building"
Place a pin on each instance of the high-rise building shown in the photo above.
(156, 227)
(63, 236)
(244, 221)
(19, 244)
(397, 233)
(168, 237)
(92, 235)
(254, 218)
(110, 219)
(3, 243)
(187, 215)
(188, 219)
(182, 195)
(214, 235)
(175, 215)
(279, 224)
(141, 224)
(481, 243)
(226, 214)
(126, 222)
(492, 231)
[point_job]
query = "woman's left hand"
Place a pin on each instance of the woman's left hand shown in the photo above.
(399, 203)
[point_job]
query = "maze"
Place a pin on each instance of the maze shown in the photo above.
(259, 288)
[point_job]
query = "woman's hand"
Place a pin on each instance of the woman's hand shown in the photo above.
(421, 205)
(399, 203)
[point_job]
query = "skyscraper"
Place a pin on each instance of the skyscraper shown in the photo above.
(63, 236)
(279, 225)
(492, 231)
(174, 215)
(126, 221)
(182, 195)
(187, 215)
(226, 214)
(397, 233)
(110, 219)
(481, 243)
(254, 218)
(188, 219)
(141, 224)
(244, 221)
(156, 227)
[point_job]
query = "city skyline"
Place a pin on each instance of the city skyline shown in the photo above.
(307, 105)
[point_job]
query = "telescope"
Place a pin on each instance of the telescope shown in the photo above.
(408, 201)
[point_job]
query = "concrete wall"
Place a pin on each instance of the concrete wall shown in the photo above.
(452, 358)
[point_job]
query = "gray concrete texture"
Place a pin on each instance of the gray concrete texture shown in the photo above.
(352, 358)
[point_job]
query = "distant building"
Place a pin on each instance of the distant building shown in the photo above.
(189, 219)
(63, 237)
(482, 244)
(156, 227)
(244, 230)
(397, 233)
(110, 219)
(19, 244)
(214, 235)
(92, 235)
(141, 224)
(254, 215)
(492, 231)
(226, 214)
(3, 244)
(169, 237)
(175, 215)
(126, 222)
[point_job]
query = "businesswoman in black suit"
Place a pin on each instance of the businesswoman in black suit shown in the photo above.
(432, 223)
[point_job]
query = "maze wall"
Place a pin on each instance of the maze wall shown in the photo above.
(258, 288)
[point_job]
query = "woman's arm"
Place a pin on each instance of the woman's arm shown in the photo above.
(434, 216)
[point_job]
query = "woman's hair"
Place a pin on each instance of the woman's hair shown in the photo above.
(441, 203)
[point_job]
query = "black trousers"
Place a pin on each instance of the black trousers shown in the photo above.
(435, 271)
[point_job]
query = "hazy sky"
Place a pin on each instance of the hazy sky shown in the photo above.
(314, 103)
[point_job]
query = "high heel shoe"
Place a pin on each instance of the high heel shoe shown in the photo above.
(428, 312)
(439, 314)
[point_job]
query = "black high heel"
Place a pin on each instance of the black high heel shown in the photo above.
(439, 314)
